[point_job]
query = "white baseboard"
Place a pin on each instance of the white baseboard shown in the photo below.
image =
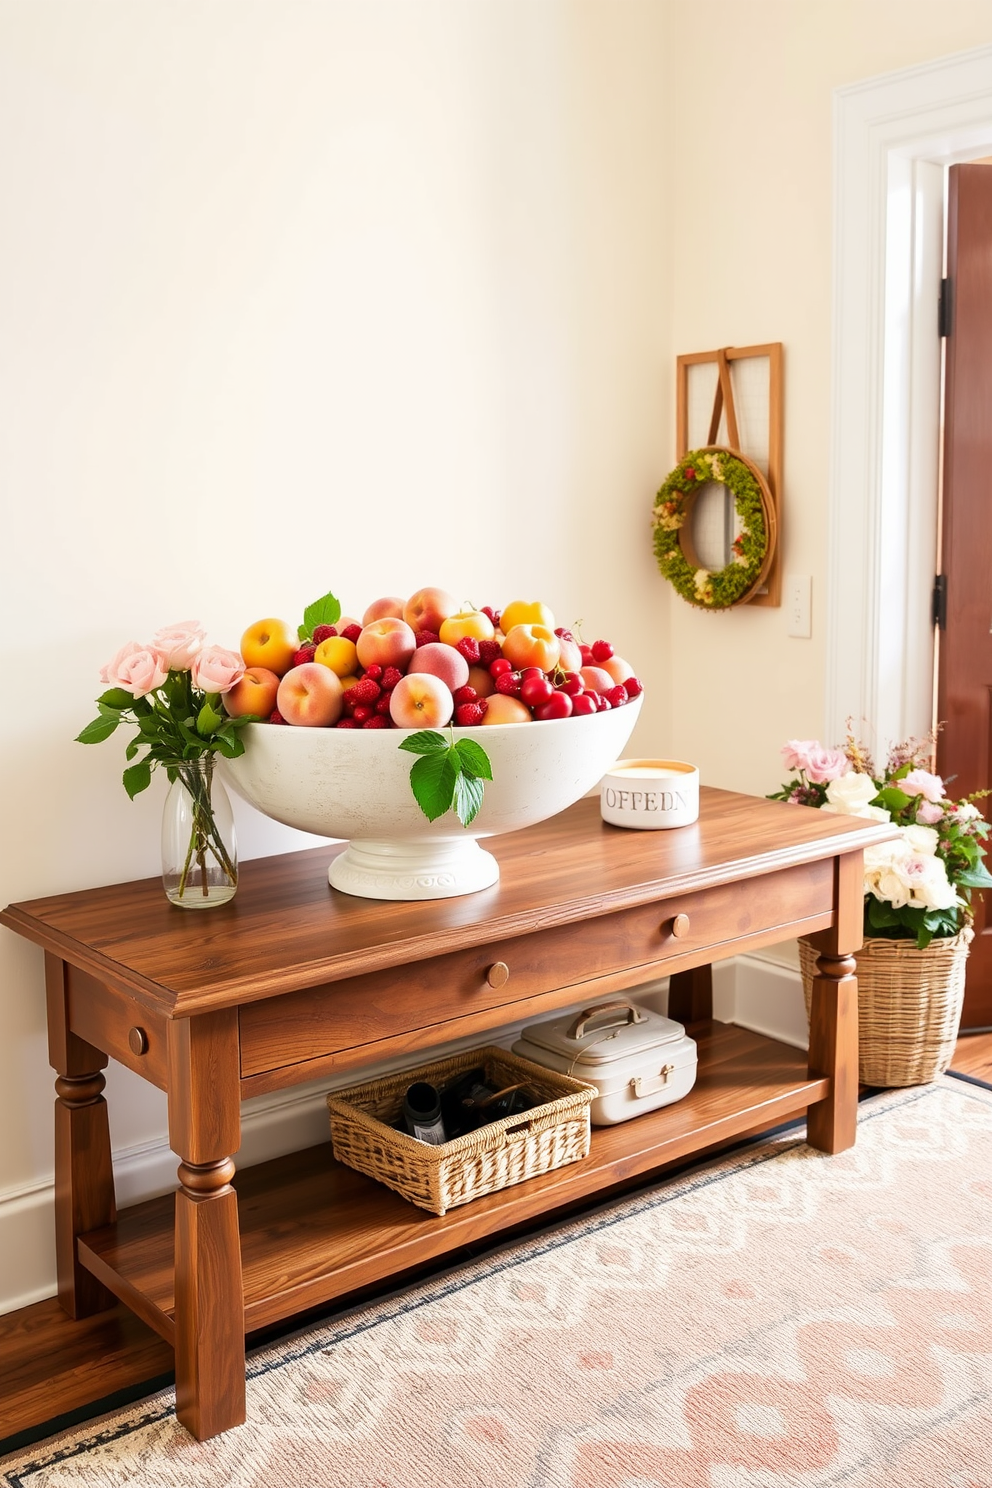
(764, 996)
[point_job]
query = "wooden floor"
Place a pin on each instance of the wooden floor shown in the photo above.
(55, 1372)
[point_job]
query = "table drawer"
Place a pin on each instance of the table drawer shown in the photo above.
(302, 1026)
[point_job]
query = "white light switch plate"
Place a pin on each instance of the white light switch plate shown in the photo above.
(797, 605)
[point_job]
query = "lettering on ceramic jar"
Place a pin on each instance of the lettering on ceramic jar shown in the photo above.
(652, 800)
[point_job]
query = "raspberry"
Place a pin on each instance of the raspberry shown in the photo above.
(374, 671)
(365, 691)
(493, 615)
(382, 703)
(499, 666)
(427, 638)
(362, 714)
(276, 717)
(323, 633)
(468, 714)
(465, 695)
(305, 654)
(603, 704)
(508, 683)
(390, 677)
(376, 721)
(617, 696)
(601, 650)
(587, 657)
(346, 723)
(634, 687)
(469, 648)
(488, 652)
(352, 632)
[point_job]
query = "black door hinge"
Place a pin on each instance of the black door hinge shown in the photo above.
(938, 602)
(945, 308)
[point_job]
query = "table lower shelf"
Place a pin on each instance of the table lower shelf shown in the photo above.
(313, 1230)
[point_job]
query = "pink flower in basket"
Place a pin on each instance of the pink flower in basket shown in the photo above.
(817, 763)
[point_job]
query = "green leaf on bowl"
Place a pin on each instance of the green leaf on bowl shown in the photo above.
(433, 780)
(448, 773)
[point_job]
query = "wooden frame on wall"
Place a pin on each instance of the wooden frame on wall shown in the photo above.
(760, 430)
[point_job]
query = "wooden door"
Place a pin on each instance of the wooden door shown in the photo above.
(964, 690)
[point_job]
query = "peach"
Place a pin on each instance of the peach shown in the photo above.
(595, 679)
(504, 709)
(428, 609)
(379, 609)
(386, 642)
(466, 623)
(255, 694)
(618, 669)
(526, 612)
(570, 659)
(270, 644)
(532, 646)
(440, 661)
(421, 701)
(479, 678)
(338, 654)
(310, 696)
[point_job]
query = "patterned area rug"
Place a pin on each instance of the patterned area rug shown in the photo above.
(776, 1318)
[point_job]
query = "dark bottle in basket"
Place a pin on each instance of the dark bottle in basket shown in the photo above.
(422, 1113)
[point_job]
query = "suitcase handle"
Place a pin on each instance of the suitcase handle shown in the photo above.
(634, 1015)
(644, 1085)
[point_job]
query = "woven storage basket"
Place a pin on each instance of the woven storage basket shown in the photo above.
(909, 1006)
(504, 1152)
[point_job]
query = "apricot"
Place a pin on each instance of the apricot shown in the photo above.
(339, 654)
(255, 694)
(504, 709)
(270, 644)
(532, 646)
(310, 696)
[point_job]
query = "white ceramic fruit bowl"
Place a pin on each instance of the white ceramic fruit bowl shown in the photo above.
(355, 784)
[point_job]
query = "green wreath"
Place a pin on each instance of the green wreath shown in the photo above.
(712, 590)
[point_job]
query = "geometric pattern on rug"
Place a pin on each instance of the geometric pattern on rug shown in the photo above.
(776, 1319)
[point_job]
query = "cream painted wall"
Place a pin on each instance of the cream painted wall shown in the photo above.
(296, 295)
(751, 200)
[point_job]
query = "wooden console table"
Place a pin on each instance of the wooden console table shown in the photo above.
(293, 981)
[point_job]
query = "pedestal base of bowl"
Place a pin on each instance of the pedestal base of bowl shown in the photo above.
(440, 868)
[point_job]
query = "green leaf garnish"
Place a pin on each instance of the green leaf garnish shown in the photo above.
(468, 798)
(475, 761)
(448, 773)
(323, 611)
(425, 741)
(433, 780)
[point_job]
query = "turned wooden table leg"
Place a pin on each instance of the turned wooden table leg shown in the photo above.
(204, 1131)
(833, 1022)
(84, 1174)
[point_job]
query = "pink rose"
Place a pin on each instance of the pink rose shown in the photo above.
(180, 643)
(137, 669)
(818, 764)
(217, 670)
(922, 783)
(929, 813)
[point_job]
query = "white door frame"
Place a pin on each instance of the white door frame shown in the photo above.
(893, 135)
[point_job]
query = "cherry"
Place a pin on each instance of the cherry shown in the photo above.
(362, 714)
(559, 705)
(585, 703)
(571, 684)
(535, 689)
(508, 683)
(500, 667)
(601, 650)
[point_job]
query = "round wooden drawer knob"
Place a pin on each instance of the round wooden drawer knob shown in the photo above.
(137, 1041)
(680, 926)
(498, 974)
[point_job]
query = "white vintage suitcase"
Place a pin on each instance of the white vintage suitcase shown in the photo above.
(637, 1059)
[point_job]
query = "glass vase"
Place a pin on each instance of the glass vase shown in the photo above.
(199, 851)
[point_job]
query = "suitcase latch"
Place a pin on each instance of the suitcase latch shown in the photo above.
(643, 1085)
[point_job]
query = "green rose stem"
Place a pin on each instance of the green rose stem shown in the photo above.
(204, 835)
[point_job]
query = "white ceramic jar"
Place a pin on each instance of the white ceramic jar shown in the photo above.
(650, 793)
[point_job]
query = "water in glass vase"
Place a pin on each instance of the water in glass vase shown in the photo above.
(199, 851)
